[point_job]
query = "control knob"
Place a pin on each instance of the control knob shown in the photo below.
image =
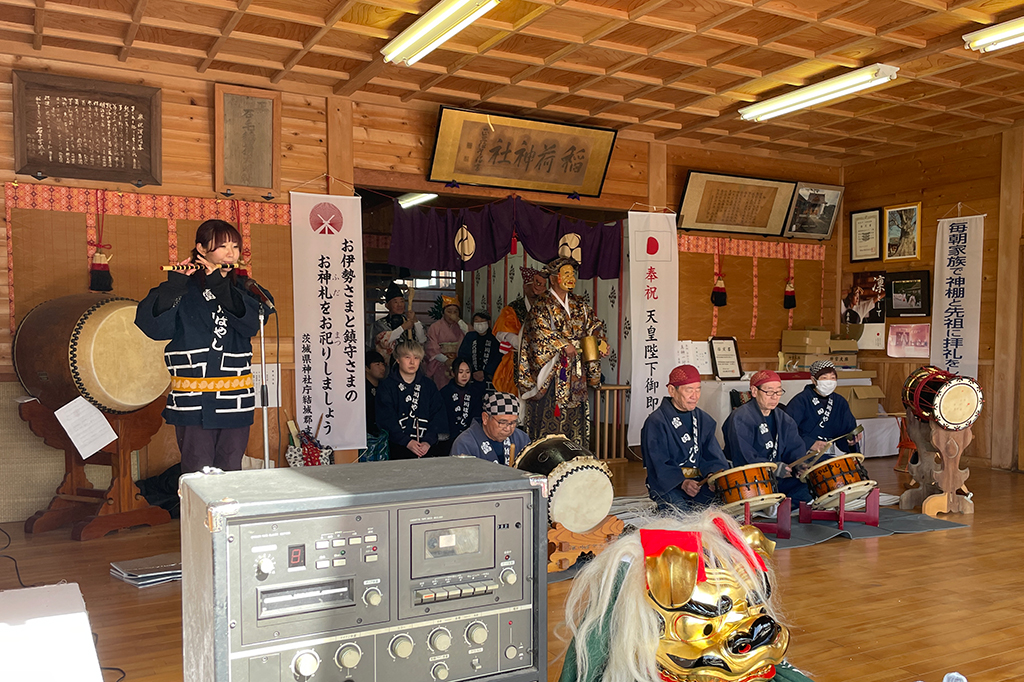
(440, 640)
(348, 656)
(509, 577)
(401, 646)
(372, 597)
(305, 663)
(440, 671)
(476, 633)
(264, 567)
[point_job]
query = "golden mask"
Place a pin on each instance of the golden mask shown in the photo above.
(567, 277)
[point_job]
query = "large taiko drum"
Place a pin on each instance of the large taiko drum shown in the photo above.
(754, 484)
(952, 401)
(88, 345)
(579, 485)
(844, 475)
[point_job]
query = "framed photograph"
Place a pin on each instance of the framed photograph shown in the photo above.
(725, 357)
(71, 127)
(496, 150)
(909, 341)
(814, 210)
(903, 232)
(728, 203)
(865, 235)
(908, 294)
(864, 301)
(247, 139)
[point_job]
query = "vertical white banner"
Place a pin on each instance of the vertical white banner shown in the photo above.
(327, 274)
(654, 312)
(956, 294)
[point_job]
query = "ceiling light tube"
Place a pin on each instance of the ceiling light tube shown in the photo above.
(834, 88)
(996, 37)
(407, 200)
(440, 23)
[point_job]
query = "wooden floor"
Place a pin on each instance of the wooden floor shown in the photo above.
(892, 609)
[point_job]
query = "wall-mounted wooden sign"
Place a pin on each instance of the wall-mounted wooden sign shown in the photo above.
(247, 139)
(88, 129)
(478, 148)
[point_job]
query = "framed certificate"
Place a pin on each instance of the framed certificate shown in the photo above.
(725, 357)
(865, 235)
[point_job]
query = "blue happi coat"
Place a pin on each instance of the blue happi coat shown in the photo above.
(209, 325)
(410, 411)
(668, 442)
(749, 441)
(822, 418)
(474, 441)
(462, 405)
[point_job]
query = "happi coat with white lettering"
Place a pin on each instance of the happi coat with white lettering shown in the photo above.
(821, 417)
(671, 440)
(750, 439)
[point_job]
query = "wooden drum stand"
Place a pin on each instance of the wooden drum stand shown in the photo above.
(93, 512)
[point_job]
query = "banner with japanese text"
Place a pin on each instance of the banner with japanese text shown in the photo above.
(327, 274)
(654, 312)
(956, 294)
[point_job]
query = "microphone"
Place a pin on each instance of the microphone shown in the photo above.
(253, 288)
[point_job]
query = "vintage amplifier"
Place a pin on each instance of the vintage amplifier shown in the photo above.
(374, 572)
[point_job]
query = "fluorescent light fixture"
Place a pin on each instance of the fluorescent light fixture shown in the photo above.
(996, 37)
(407, 200)
(833, 88)
(440, 23)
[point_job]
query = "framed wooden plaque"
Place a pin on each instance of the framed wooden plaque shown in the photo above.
(725, 357)
(247, 139)
(80, 128)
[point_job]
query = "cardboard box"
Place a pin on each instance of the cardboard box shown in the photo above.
(843, 345)
(856, 374)
(844, 360)
(801, 361)
(863, 399)
(807, 341)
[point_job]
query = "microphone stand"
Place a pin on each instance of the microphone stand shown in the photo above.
(264, 392)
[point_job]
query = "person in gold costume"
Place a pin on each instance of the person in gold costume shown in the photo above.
(509, 326)
(551, 371)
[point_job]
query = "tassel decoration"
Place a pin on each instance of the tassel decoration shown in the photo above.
(718, 297)
(100, 279)
(789, 297)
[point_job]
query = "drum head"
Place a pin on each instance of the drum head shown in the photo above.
(581, 494)
(720, 474)
(544, 455)
(756, 504)
(958, 404)
(854, 491)
(831, 460)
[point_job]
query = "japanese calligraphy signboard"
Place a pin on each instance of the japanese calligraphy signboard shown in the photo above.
(725, 203)
(327, 267)
(956, 294)
(654, 312)
(479, 148)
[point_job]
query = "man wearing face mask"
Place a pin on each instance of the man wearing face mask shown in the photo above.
(551, 372)
(820, 414)
(481, 349)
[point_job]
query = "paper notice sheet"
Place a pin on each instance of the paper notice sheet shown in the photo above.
(88, 429)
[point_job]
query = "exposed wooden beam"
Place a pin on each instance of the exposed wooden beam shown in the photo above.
(133, 30)
(218, 44)
(330, 20)
(38, 18)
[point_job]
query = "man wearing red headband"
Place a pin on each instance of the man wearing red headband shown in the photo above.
(760, 431)
(679, 445)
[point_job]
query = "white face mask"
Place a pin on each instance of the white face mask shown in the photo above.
(826, 386)
(480, 327)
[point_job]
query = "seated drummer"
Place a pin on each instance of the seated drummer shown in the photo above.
(822, 415)
(494, 435)
(760, 431)
(679, 446)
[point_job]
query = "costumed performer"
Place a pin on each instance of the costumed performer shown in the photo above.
(761, 431)
(395, 327)
(508, 329)
(444, 338)
(376, 438)
(821, 414)
(209, 319)
(482, 349)
(685, 598)
(679, 446)
(494, 435)
(551, 371)
(409, 407)
(463, 399)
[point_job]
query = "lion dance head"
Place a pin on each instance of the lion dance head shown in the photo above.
(684, 599)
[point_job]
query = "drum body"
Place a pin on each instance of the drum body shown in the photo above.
(579, 485)
(953, 402)
(88, 345)
(846, 475)
(754, 484)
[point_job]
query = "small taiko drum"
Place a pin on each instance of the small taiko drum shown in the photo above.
(953, 402)
(88, 345)
(844, 475)
(579, 485)
(754, 484)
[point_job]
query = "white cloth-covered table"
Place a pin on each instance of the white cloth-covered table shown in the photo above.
(881, 436)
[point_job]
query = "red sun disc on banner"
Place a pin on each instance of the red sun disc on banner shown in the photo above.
(326, 218)
(652, 246)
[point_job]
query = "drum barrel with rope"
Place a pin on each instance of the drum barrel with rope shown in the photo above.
(952, 401)
(88, 345)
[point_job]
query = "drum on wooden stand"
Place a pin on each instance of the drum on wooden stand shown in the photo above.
(953, 402)
(844, 475)
(754, 484)
(88, 345)
(579, 485)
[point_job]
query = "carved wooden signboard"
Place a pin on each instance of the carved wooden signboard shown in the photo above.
(247, 139)
(81, 128)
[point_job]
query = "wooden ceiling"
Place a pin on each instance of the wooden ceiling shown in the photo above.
(673, 70)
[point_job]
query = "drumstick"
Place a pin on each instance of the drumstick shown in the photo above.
(818, 454)
(512, 455)
(196, 266)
